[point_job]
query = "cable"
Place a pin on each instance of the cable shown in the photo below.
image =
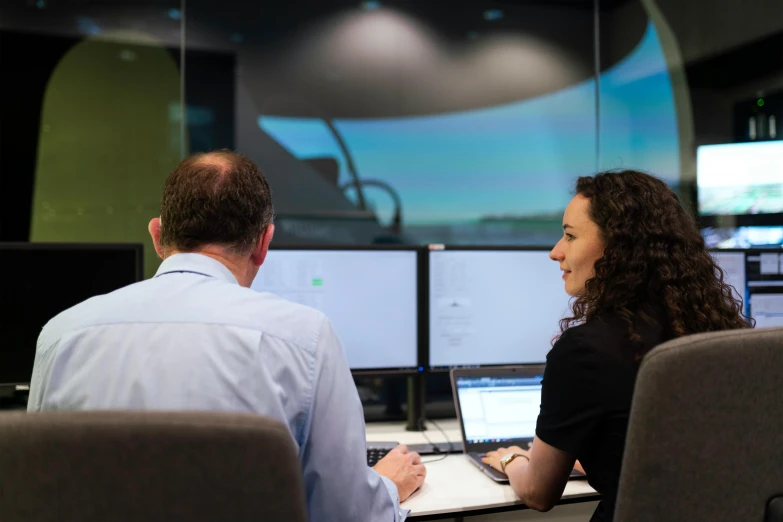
(435, 460)
(434, 446)
(396, 223)
(445, 437)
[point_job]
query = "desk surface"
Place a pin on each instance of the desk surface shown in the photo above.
(454, 485)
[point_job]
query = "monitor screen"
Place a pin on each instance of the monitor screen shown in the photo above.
(765, 287)
(41, 280)
(757, 275)
(496, 409)
(493, 307)
(740, 178)
(370, 297)
(743, 237)
(767, 310)
(733, 265)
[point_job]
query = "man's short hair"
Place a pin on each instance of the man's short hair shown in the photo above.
(215, 198)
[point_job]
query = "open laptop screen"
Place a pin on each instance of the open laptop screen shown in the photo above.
(498, 409)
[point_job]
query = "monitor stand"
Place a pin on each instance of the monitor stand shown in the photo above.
(416, 398)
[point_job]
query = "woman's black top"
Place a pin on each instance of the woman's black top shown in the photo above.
(586, 397)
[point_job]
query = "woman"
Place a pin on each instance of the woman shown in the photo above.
(634, 261)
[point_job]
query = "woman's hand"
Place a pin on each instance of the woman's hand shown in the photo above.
(492, 458)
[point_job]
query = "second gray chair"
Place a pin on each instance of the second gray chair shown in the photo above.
(705, 437)
(150, 467)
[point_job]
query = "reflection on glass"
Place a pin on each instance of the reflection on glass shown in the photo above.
(503, 174)
(106, 145)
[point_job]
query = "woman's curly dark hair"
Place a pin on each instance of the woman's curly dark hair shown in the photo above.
(653, 255)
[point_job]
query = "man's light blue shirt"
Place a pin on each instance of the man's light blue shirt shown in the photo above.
(191, 338)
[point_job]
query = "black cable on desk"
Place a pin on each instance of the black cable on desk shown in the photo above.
(423, 432)
(435, 460)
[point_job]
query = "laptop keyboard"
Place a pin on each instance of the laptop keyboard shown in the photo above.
(376, 454)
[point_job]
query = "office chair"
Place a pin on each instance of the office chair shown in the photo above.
(705, 436)
(147, 467)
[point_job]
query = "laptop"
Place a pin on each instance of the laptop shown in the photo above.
(497, 407)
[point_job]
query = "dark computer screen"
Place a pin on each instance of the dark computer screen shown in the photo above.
(41, 280)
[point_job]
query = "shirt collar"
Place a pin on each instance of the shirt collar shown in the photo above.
(197, 264)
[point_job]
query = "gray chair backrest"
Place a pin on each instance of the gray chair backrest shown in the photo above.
(705, 436)
(148, 467)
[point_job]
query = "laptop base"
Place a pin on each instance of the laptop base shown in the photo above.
(502, 478)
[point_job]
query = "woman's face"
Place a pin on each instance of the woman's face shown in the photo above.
(580, 247)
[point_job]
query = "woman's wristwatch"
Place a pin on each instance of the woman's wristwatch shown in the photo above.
(508, 458)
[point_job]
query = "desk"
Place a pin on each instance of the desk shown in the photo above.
(455, 487)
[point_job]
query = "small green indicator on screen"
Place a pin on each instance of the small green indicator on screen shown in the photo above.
(318, 282)
(760, 102)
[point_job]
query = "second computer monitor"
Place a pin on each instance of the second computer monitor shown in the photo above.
(733, 264)
(369, 295)
(493, 307)
(757, 276)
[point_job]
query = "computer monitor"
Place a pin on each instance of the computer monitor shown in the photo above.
(765, 287)
(757, 275)
(40, 280)
(493, 306)
(733, 264)
(740, 178)
(370, 295)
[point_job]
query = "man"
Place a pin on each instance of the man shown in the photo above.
(195, 337)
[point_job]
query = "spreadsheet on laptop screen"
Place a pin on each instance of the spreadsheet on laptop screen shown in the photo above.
(494, 409)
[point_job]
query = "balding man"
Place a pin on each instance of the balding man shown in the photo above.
(195, 337)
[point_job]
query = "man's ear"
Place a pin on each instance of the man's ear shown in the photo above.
(154, 229)
(262, 247)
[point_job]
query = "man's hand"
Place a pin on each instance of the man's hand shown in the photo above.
(404, 468)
